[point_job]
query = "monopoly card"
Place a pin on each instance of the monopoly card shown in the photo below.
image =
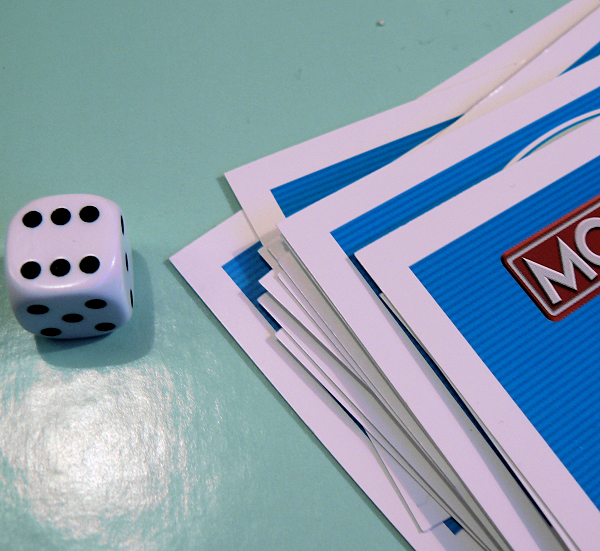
(325, 236)
(500, 286)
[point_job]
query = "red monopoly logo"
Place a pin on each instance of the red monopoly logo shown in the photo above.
(559, 267)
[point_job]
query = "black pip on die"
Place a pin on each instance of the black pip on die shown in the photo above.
(68, 266)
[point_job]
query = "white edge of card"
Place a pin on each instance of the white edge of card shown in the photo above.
(526, 45)
(551, 62)
(274, 286)
(411, 492)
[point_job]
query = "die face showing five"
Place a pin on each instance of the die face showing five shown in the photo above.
(69, 266)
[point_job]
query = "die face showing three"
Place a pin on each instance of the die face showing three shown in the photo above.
(69, 266)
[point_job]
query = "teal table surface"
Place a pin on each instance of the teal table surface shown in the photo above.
(163, 435)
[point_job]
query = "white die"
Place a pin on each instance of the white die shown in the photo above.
(68, 266)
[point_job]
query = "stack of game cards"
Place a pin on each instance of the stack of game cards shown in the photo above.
(419, 286)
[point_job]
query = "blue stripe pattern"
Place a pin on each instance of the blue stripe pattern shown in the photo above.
(399, 210)
(550, 369)
(591, 54)
(298, 194)
(245, 270)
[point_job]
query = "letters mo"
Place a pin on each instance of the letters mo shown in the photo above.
(559, 266)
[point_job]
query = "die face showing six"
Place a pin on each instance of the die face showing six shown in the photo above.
(69, 266)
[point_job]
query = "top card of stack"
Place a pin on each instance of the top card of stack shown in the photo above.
(499, 286)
